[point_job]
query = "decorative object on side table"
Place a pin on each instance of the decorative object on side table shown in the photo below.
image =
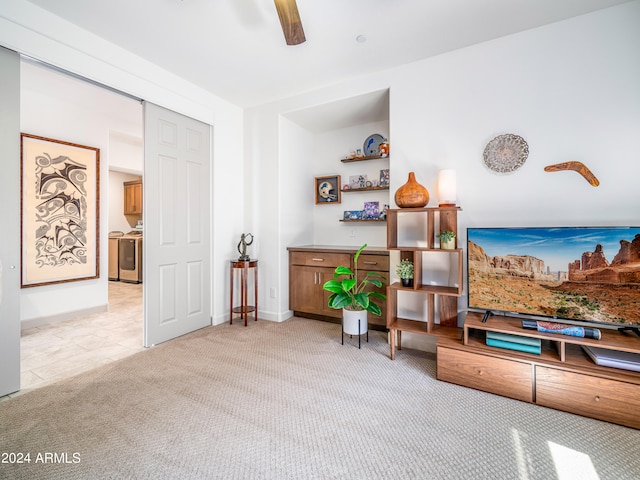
(404, 270)
(349, 294)
(505, 153)
(327, 189)
(246, 239)
(447, 239)
(412, 194)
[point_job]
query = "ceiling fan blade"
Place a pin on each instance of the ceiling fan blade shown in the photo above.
(290, 21)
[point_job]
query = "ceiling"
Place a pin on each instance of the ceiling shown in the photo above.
(236, 49)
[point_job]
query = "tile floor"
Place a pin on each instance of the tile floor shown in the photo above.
(53, 352)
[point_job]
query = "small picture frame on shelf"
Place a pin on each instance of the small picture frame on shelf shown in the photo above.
(327, 189)
(383, 214)
(384, 178)
(357, 181)
(371, 210)
(353, 215)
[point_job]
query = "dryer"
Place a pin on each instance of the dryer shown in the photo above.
(130, 257)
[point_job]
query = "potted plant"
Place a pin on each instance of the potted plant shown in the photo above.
(349, 294)
(405, 271)
(447, 239)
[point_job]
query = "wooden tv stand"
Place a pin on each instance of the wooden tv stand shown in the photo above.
(561, 377)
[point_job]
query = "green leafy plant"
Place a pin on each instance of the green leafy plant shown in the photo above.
(347, 292)
(446, 235)
(405, 269)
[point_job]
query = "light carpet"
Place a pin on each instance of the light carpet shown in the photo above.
(287, 400)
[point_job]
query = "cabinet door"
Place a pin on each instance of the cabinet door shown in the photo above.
(379, 264)
(133, 199)
(375, 319)
(324, 275)
(307, 295)
(304, 295)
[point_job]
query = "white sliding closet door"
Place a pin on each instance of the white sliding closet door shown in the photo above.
(177, 216)
(9, 222)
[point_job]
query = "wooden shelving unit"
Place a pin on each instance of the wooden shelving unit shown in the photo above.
(361, 159)
(447, 219)
(363, 220)
(364, 189)
(562, 376)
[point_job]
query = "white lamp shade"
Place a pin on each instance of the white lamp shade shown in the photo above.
(447, 189)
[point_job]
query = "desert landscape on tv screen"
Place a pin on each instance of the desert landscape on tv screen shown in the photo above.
(590, 274)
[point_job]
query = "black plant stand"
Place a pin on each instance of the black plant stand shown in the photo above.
(351, 336)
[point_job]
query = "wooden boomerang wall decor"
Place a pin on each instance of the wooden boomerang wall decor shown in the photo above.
(579, 167)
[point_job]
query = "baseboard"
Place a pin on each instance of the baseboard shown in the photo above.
(61, 317)
(262, 315)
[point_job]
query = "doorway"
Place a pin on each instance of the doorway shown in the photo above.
(60, 106)
(177, 155)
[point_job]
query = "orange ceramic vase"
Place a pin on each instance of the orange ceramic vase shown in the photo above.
(412, 194)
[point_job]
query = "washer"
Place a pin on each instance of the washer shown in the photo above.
(114, 252)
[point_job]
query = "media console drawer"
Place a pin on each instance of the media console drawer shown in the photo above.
(587, 395)
(508, 378)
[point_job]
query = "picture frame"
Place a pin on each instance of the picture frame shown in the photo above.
(59, 211)
(371, 210)
(384, 178)
(352, 214)
(327, 190)
(357, 181)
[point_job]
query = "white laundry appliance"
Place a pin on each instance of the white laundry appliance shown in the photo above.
(130, 257)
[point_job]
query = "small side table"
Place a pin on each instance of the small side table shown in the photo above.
(244, 308)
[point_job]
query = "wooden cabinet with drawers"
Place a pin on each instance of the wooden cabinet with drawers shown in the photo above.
(561, 376)
(311, 266)
(500, 376)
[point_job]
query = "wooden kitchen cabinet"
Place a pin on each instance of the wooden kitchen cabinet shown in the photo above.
(310, 267)
(307, 294)
(133, 197)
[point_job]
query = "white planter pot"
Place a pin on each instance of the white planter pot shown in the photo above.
(350, 321)
(448, 244)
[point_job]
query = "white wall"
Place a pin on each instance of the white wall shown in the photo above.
(569, 89)
(127, 154)
(35, 32)
(330, 147)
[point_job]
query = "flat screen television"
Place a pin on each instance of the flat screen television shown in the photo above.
(584, 275)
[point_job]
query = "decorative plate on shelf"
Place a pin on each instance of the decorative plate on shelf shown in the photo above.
(371, 145)
(506, 153)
